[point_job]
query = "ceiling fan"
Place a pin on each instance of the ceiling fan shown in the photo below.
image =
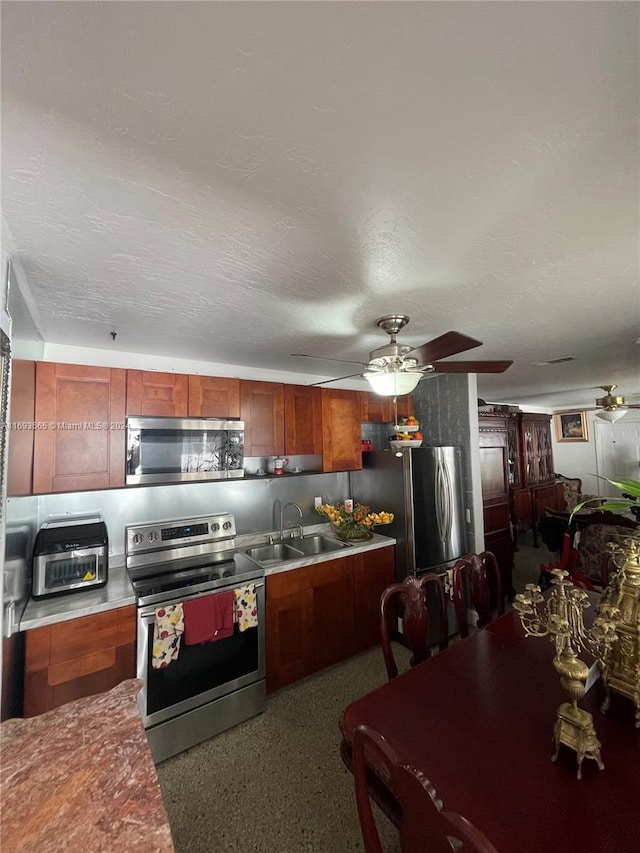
(611, 407)
(395, 369)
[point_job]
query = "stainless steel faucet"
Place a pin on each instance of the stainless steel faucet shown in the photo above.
(282, 509)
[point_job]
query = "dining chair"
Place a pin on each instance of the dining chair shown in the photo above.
(476, 578)
(424, 824)
(411, 594)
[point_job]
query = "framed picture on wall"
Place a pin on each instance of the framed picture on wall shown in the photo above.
(571, 426)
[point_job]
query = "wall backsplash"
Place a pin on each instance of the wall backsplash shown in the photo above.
(441, 405)
(254, 503)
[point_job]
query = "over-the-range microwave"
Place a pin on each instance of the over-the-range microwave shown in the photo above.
(175, 450)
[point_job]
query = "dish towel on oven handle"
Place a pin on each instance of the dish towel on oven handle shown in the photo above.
(208, 618)
(246, 607)
(167, 631)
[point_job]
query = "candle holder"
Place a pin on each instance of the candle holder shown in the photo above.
(559, 615)
(622, 595)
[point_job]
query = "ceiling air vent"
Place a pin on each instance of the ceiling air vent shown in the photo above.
(554, 360)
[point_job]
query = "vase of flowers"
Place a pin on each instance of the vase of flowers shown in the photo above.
(354, 524)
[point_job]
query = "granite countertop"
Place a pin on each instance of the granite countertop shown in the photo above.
(49, 611)
(81, 777)
(119, 593)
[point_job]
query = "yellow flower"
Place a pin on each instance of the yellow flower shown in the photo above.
(359, 520)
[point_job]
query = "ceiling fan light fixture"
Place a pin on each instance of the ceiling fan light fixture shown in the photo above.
(393, 383)
(612, 415)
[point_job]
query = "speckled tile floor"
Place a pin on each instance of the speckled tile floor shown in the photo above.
(276, 784)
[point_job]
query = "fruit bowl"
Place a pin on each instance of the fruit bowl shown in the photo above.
(397, 444)
(406, 427)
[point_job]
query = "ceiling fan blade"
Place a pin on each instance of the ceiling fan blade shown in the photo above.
(336, 379)
(471, 366)
(326, 358)
(451, 343)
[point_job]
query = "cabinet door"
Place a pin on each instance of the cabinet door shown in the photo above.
(83, 444)
(77, 658)
(289, 628)
(214, 397)
(494, 464)
(373, 572)
(405, 406)
(157, 394)
(21, 432)
(333, 628)
(341, 416)
(262, 410)
(378, 410)
(302, 420)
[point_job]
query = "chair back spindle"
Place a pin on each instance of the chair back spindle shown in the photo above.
(424, 823)
(411, 593)
(471, 573)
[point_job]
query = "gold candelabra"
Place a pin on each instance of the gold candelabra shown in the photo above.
(622, 596)
(559, 615)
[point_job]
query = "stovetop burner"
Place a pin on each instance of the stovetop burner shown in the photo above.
(182, 558)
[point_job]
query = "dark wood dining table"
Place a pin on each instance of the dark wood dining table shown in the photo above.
(477, 719)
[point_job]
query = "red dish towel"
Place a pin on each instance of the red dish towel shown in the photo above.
(208, 618)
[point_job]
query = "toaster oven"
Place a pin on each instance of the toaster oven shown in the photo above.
(70, 556)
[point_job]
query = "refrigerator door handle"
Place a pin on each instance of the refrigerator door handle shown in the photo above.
(9, 619)
(444, 509)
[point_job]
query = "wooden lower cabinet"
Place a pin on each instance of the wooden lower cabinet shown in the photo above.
(289, 605)
(333, 623)
(372, 574)
(77, 658)
(319, 615)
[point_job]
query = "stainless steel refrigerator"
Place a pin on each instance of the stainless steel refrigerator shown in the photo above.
(423, 488)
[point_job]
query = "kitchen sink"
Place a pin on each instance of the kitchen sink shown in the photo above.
(277, 553)
(319, 545)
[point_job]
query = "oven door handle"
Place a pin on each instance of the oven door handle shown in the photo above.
(149, 610)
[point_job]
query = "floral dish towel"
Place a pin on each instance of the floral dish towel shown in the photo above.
(167, 632)
(246, 607)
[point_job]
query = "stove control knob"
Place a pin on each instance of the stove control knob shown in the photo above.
(215, 526)
(137, 538)
(227, 525)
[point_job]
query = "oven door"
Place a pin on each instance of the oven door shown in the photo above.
(201, 673)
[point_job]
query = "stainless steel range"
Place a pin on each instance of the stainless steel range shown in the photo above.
(203, 688)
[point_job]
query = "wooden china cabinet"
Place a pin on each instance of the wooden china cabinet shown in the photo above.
(532, 483)
(494, 469)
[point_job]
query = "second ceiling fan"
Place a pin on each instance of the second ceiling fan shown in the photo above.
(396, 369)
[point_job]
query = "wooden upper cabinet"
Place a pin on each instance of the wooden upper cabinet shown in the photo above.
(157, 394)
(80, 442)
(21, 432)
(341, 416)
(379, 409)
(405, 407)
(303, 420)
(262, 410)
(214, 397)
(494, 459)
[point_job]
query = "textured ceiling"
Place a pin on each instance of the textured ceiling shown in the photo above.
(236, 182)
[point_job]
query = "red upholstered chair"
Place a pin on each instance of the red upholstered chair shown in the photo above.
(424, 823)
(412, 595)
(476, 580)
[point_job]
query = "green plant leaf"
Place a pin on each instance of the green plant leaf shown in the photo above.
(630, 486)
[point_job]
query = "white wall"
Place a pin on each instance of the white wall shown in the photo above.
(580, 459)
